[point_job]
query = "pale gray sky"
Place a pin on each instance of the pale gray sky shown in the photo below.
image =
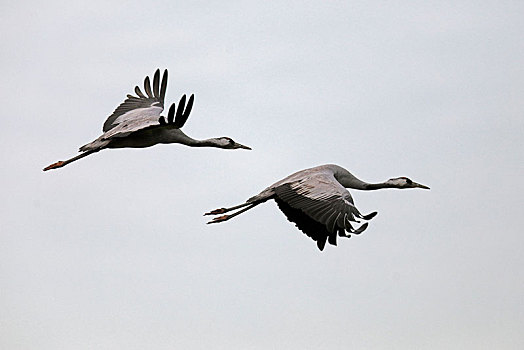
(112, 252)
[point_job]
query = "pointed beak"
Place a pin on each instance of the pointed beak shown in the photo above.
(420, 186)
(238, 145)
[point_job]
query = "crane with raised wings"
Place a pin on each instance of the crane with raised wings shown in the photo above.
(137, 123)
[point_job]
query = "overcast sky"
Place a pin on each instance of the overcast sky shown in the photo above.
(112, 252)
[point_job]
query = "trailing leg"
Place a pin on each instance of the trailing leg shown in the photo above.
(225, 210)
(227, 217)
(62, 163)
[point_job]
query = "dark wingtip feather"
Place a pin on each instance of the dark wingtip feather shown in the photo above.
(147, 87)
(189, 106)
(360, 229)
(156, 83)
(321, 243)
(370, 216)
(181, 105)
(138, 92)
(332, 239)
(171, 113)
(163, 86)
(182, 112)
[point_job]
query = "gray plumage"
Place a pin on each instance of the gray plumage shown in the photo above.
(317, 201)
(137, 123)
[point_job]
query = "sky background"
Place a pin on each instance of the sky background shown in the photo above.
(112, 252)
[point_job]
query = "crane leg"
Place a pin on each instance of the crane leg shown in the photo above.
(225, 210)
(227, 217)
(58, 164)
(62, 163)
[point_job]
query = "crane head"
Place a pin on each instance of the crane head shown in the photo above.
(228, 143)
(404, 182)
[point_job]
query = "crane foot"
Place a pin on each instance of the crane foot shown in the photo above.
(219, 219)
(58, 164)
(216, 211)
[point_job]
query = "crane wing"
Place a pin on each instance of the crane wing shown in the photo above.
(320, 207)
(138, 112)
(178, 116)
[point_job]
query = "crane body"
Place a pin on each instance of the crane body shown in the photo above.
(138, 123)
(317, 201)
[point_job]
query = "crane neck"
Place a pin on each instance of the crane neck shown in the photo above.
(348, 180)
(177, 136)
(200, 143)
(377, 186)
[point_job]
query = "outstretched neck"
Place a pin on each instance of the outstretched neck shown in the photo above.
(377, 186)
(202, 143)
(348, 180)
(361, 185)
(177, 136)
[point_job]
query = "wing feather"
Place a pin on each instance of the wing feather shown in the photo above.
(320, 207)
(181, 105)
(139, 92)
(139, 111)
(304, 223)
(183, 110)
(147, 87)
(136, 120)
(156, 83)
(329, 219)
(164, 86)
(171, 113)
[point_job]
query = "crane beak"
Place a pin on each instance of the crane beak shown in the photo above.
(420, 186)
(238, 145)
